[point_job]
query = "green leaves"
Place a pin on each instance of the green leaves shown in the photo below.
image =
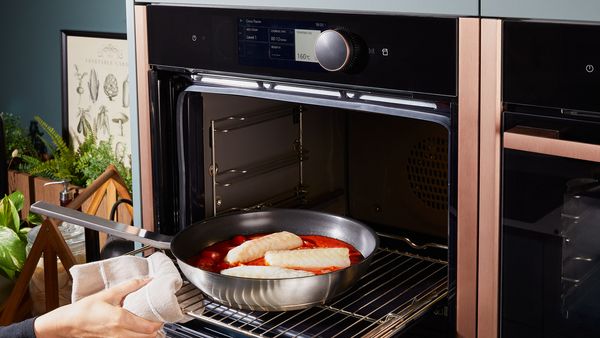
(56, 138)
(12, 236)
(12, 252)
(17, 199)
(9, 213)
(15, 136)
(81, 166)
(95, 158)
(34, 219)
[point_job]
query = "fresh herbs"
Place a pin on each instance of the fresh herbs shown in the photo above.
(81, 166)
(95, 160)
(13, 237)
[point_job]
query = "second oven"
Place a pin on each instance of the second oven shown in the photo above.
(550, 182)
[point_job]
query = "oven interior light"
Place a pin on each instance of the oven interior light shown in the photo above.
(230, 82)
(305, 90)
(384, 99)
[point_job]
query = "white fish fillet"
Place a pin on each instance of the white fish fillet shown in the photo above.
(267, 272)
(309, 258)
(256, 248)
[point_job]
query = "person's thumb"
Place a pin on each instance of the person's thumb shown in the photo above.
(116, 294)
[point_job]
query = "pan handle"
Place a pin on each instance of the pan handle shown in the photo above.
(131, 233)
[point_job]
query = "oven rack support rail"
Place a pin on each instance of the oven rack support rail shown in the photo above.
(397, 290)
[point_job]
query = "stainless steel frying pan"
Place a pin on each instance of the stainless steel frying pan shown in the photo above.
(247, 293)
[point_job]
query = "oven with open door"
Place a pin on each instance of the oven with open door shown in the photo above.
(257, 109)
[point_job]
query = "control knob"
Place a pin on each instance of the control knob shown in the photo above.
(338, 50)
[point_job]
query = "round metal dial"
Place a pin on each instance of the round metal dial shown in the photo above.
(333, 50)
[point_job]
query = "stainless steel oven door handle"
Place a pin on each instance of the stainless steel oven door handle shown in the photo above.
(121, 230)
(551, 146)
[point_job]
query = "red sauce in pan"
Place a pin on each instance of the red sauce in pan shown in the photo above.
(212, 257)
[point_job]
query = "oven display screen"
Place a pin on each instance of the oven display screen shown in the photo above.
(288, 44)
(305, 44)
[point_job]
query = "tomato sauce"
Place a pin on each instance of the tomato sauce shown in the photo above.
(212, 258)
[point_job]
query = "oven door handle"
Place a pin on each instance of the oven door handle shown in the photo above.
(517, 140)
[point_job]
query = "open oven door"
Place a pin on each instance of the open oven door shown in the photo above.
(408, 282)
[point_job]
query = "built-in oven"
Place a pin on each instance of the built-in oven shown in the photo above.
(551, 180)
(348, 114)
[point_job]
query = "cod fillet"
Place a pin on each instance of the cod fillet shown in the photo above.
(256, 248)
(266, 272)
(309, 258)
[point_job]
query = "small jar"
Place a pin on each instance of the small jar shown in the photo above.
(75, 239)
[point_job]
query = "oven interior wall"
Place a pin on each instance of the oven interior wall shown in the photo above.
(398, 173)
(385, 170)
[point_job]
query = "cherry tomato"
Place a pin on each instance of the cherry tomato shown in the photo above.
(227, 249)
(309, 243)
(237, 240)
(255, 236)
(222, 266)
(209, 254)
(205, 263)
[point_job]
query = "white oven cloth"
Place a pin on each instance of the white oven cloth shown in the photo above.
(154, 301)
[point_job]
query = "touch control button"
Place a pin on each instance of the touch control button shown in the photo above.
(589, 68)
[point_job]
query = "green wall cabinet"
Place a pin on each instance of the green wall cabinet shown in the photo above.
(437, 7)
(569, 10)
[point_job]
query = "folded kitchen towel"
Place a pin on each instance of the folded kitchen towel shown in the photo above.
(155, 301)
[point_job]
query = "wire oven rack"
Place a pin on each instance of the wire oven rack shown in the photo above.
(398, 288)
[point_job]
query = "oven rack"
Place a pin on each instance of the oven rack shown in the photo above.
(398, 289)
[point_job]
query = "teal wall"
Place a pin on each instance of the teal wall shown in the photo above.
(30, 64)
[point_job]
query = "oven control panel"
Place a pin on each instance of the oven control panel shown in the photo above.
(386, 52)
(307, 45)
(552, 65)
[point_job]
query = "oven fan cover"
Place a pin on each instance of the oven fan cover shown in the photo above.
(427, 171)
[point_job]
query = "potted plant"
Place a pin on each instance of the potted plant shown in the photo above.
(13, 240)
(80, 167)
(18, 143)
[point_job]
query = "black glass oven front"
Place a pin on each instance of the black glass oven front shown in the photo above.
(550, 252)
(550, 237)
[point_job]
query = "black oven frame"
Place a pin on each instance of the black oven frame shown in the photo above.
(168, 80)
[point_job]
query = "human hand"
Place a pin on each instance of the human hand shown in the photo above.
(98, 315)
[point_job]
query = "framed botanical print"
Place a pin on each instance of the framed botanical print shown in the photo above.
(95, 89)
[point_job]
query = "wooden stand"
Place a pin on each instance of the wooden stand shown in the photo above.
(109, 185)
(50, 243)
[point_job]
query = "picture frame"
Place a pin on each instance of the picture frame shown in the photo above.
(95, 87)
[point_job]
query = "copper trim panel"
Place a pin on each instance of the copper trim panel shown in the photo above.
(489, 184)
(468, 140)
(143, 93)
(551, 146)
